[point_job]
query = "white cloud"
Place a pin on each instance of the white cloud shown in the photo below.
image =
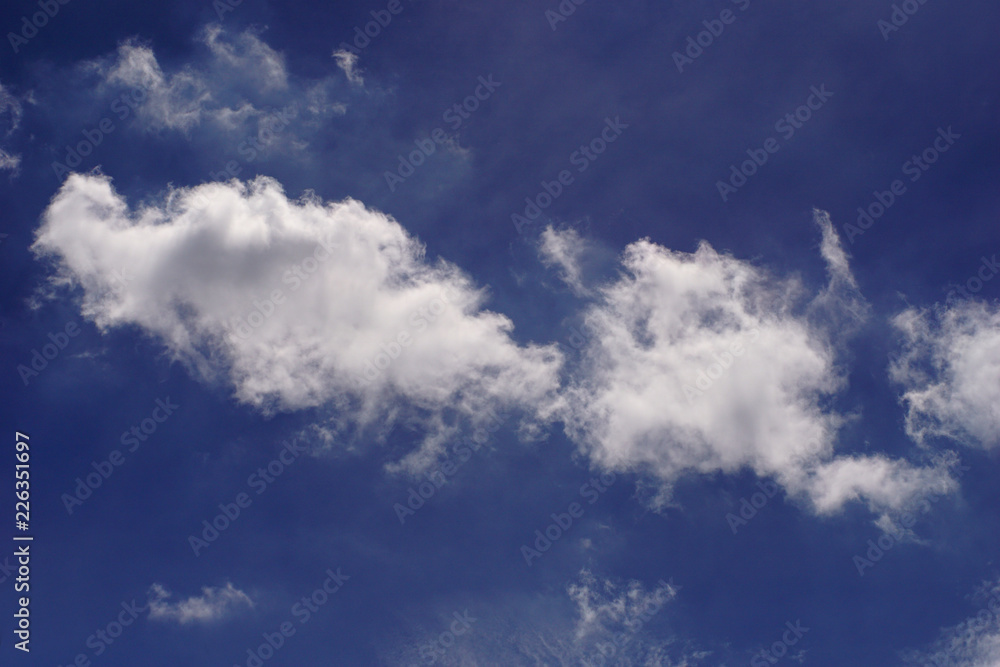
(566, 249)
(348, 62)
(9, 161)
(705, 363)
(239, 66)
(363, 317)
(840, 306)
(247, 54)
(213, 604)
(950, 372)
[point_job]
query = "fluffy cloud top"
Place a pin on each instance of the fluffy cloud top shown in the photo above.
(702, 363)
(950, 372)
(296, 303)
(213, 604)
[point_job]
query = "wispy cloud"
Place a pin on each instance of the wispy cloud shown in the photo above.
(213, 604)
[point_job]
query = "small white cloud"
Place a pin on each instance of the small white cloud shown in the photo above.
(250, 56)
(566, 250)
(840, 306)
(950, 372)
(348, 62)
(8, 161)
(214, 604)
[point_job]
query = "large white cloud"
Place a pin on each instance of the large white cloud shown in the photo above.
(296, 303)
(704, 363)
(950, 372)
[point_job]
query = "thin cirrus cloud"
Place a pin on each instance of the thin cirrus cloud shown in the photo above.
(10, 119)
(233, 84)
(214, 604)
(950, 372)
(701, 362)
(297, 304)
(348, 63)
(590, 621)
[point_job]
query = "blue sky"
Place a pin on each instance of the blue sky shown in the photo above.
(409, 332)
